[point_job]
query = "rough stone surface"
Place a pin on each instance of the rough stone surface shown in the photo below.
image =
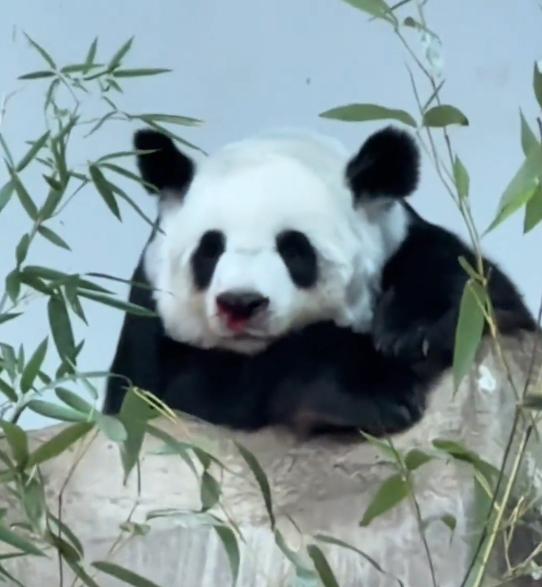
(323, 485)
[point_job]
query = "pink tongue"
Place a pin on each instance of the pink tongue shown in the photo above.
(237, 325)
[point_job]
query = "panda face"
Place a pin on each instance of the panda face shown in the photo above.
(257, 247)
(268, 235)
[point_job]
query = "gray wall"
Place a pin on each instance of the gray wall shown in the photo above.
(245, 65)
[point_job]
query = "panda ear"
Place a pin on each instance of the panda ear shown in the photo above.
(165, 167)
(386, 166)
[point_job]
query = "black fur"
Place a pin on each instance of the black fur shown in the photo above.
(422, 283)
(422, 286)
(299, 256)
(166, 167)
(386, 165)
(322, 378)
(326, 378)
(205, 257)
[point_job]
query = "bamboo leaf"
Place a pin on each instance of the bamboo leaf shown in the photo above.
(24, 196)
(134, 413)
(528, 139)
(42, 52)
(8, 391)
(7, 536)
(170, 118)
(10, 360)
(5, 193)
(391, 493)
(229, 541)
(533, 210)
(537, 84)
(59, 322)
(80, 572)
(175, 137)
(450, 521)
(22, 249)
(78, 68)
(53, 199)
(305, 576)
(469, 330)
(100, 122)
(210, 491)
(59, 443)
(112, 427)
(33, 366)
(124, 196)
(461, 178)
(104, 189)
(36, 147)
(364, 112)
(17, 440)
(74, 401)
(9, 316)
(376, 8)
(91, 55)
(129, 577)
(37, 74)
(13, 285)
(416, 458)
(322, 566)
(119, 304)
(444, 115)
(461, 453)
(119, 55)
(70, 291)
(342, 544)
(35, 508)
(139, 72)
(261, 479)
(53, 237)
(55, 411)
(520, 189)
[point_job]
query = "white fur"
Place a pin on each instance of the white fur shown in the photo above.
(251, 191)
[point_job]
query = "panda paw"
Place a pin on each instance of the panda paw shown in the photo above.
(398, 414)
(409, 343)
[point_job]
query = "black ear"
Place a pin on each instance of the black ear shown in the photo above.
(166, 167)
(387, 165)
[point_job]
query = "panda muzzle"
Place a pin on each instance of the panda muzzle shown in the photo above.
(239, 307)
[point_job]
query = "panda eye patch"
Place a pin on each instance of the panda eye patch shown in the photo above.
(205, 257)
(299, 257)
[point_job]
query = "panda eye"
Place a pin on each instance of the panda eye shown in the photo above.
(205, 257)
(299, 257)
(211, 245)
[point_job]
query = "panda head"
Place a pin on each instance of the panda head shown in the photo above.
(268, 234)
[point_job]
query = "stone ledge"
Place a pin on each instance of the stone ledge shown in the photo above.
(323, 484)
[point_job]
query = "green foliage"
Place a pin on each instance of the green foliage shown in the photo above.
(322, 566)
(461, 178)
(444, 115)
(533, 210)
(23, 380)
(390, 494)
(229, 541)
(469, 330)
(537, 84)
(377, 8)
(521, 188)
(365, 112)
(261, 478)
(125, 575)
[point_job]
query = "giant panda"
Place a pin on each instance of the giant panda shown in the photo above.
(294, 286)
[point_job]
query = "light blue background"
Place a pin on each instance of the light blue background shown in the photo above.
(246, 65)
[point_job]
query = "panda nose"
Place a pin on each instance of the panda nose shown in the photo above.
(241, 304)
